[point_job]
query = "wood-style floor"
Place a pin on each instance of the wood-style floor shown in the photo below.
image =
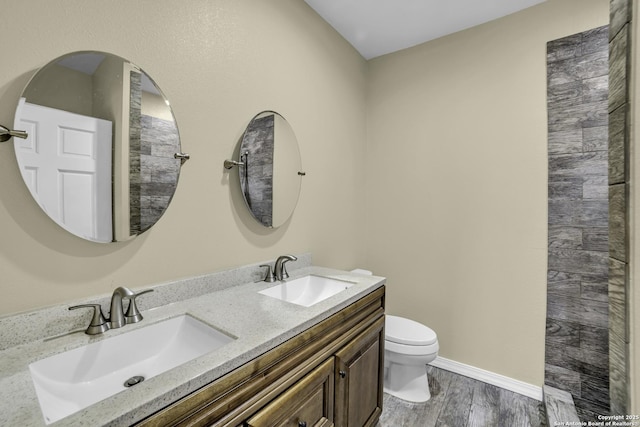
(458, 401)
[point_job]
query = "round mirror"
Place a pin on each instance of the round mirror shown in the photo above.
(270, 169)
(100, 157)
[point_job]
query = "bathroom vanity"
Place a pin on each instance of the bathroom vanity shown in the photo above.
(331, 374)
(284, 364)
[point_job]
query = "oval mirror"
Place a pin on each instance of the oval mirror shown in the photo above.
(270, 169)
(102, 155)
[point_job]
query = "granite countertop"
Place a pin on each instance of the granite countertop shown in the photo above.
(259, 322)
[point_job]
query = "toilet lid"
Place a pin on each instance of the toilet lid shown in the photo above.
(406, 331)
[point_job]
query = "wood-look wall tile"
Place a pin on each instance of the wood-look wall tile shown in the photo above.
(595, 212)
(595, 239)
(560, 377)
(596, 187)
(595, 339)
(577, 301)
(578, 212)
(564, 237)
(562, 72)
(600, 277)
(554, 276)
(578, 116)
(584, 414)
(558, 122)
(581, 361)
(595, 40)
(596, 390)
(564, 48)
(567, 284)
(561, 212)
(559, 406)
(619, 144)
(577, 68)
(618, 317)
(595, 138)
(596, 402)
(595, 114)
(618, 377)
(565, 187)
(619, 15)
(618, 68)
(579, 165)
(596, 291)
(567, 94)
(595, 89)
(568, 141)
(592, 313)
(562, 332)
(618, 221)
(593, 65)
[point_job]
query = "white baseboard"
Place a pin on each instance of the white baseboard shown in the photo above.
(492, 378)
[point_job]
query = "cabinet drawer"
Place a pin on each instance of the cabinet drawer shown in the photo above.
(307, 403)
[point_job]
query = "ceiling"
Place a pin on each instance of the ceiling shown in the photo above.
(378, 27)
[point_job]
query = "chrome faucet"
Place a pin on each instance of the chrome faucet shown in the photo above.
(279, 269)
(116, 314)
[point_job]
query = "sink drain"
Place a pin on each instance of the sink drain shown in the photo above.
(133, 381)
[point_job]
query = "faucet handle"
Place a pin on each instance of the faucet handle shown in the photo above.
(98, 323)
(133, 315)
(269, 277)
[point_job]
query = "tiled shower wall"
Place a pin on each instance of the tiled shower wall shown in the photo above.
(619, 184)
(154, 170)
(135, 129)
(577, 343)
(256, 176)
(159, 169)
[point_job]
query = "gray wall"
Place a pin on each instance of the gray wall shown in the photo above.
(576, 345)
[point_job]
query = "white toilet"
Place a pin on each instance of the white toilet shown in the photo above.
(409, 346)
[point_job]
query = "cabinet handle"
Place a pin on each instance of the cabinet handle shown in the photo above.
(342, 374)
(302, 424)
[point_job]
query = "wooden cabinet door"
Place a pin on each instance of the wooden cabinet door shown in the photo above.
(308, 403)
(359, 376)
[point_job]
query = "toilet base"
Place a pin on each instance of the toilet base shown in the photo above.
(407, 382)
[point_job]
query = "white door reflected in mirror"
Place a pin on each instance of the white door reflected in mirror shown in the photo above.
(66, 163)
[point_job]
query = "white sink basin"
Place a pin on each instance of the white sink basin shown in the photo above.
(308, 290)
(70, 381)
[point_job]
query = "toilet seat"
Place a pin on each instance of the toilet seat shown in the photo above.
(411, 350)
(408, 332)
